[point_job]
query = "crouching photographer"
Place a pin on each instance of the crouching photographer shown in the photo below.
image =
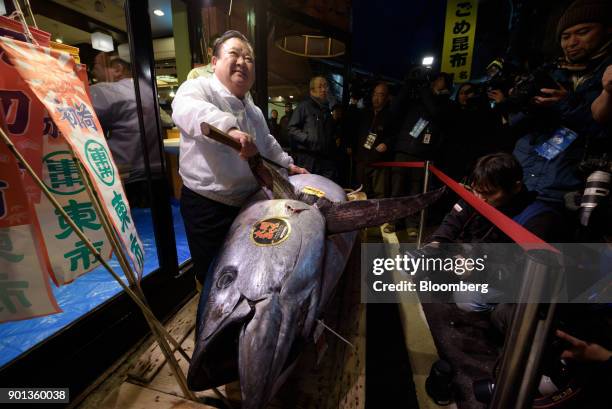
(497, 180)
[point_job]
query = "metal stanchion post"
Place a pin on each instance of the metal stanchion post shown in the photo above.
(530, 328)
(423, 212)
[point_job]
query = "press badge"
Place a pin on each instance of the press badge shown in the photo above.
(370, 141)
(561, 139)
(427, 138)
(418, 127)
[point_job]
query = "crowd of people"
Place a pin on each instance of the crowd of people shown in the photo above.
(524, 141)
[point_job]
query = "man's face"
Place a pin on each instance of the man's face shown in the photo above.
(235, 66)
(379, 97)
(438, 84)
(496, 197)
(101, 69)
(465, 93)
(581, 41)
(274, 114)
(319, 89)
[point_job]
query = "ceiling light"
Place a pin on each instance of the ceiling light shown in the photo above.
(102, 42)
(291, 96)
(59, 40)
(428, 60)
(158, 12)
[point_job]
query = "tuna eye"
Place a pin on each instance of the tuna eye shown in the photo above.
(228, 275)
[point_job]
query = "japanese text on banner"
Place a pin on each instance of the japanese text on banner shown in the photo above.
(24, 285)
(459, 34)
(52, 77)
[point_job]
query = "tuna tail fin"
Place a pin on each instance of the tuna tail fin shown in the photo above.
(359, 214)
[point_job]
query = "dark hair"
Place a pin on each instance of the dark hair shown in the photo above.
(496, 171)
(227, 36)
(448, 79)
(124, 64)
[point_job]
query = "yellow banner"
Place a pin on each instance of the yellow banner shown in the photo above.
(459, 33)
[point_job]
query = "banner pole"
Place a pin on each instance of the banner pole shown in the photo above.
(121, 257)
(129, 273)
(180, 376)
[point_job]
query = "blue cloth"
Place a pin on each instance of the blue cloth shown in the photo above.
(551, 179)
(86, 292)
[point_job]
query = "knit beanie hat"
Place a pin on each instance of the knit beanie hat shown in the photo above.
(585, 11)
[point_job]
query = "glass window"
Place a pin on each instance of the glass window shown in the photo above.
(106, 53)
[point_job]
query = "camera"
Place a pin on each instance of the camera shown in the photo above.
(529, 85)
(597, 187)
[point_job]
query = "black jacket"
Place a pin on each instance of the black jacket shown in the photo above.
(312, 129)
(406, 112)
(465, 225)
(369, 122)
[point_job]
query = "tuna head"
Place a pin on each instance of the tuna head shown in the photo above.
(264, 293)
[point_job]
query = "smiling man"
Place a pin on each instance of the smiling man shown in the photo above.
(216, 180)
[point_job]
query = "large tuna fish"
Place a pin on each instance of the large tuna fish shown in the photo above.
(278, 267)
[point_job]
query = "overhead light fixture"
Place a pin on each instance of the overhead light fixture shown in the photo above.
(291, 96)
(158, 12)
(428, 61)
(59, 40)
(102, 42)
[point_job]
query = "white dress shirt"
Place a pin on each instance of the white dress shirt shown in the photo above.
(208, 167)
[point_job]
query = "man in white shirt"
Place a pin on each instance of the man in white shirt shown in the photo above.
(216, 180)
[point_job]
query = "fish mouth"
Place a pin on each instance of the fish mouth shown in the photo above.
(214, 360)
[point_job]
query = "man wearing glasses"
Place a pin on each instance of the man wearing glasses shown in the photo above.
(311, 132)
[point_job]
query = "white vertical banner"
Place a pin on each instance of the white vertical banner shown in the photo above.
(52, 76)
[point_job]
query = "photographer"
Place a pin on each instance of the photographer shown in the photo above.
(476, 131)
(561, 120)
(497, 180)
(418, 120)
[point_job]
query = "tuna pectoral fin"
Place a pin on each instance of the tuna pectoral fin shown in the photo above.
(359, 214)
(265, 343)
(268, 176)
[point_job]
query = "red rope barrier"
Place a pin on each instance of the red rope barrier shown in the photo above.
(523, 237)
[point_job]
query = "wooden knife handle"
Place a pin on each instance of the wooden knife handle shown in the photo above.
(219, 136)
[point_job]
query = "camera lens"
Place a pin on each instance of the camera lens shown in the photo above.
(596, 190)
(483, 390)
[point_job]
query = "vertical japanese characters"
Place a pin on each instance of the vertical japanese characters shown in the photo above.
(459, 33)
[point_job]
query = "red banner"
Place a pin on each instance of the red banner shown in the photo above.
(24, 284)
(53, 78)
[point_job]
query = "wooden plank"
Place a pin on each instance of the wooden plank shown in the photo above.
(149, 364)
(165, 381)
(420, 345)
(131, 396)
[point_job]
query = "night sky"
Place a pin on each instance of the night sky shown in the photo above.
(391, 35)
